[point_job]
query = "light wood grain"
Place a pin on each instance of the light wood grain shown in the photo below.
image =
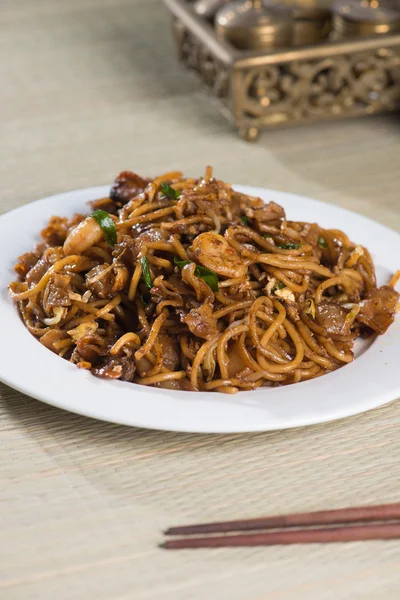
(90, 87)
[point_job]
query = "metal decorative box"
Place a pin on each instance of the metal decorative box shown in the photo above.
(263, 89)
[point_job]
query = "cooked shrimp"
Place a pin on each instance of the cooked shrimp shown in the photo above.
(83, 236)
(214, 252)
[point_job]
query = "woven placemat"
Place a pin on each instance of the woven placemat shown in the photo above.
(91, 87)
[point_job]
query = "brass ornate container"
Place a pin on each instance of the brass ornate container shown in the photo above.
(312, 22)
(263, 89)
(255, 25)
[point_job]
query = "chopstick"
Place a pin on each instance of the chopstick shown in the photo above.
(382, 512)
(300, 536)
(356, 524)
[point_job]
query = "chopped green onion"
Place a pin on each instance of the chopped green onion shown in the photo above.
(146, 272)
(245, 221)
(267, 235)
(107, 224)
(181, 263)
(289, 246)
(280, 286)
(208, 276)
(205, 274)
(322, 242)
(169, 192)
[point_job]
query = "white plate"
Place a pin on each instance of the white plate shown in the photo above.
(370, 381)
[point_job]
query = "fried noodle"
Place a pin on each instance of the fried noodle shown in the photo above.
(205, 289)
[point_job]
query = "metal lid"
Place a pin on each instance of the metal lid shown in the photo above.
(354, 18)
(207, 8)
(253, 24)
(366, 11)
(309, 10)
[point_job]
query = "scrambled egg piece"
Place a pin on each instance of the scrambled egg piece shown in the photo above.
(285, 294)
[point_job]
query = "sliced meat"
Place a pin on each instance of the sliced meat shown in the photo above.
(104, 204)
(378, 309)
(53, 336)
(207, 196)
(189, 230)
(236, 364)
(83, 331)
(292, 311)
(87, 349)
(239, 203)
(311, 233)
(201, 322)
(331, 317)
(122, 368)
(173, 287)
(57, 291)
(88, 344)
(267, 213)
(37, 271)
(49, 257)
(170, 352)
(26, 262)
(126, 186)
(132, 244)
(104, 281)
(56, 231)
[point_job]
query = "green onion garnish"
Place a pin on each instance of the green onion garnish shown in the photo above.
(208, 276)
(169, 192)
(205, 274)
(107, 224)
(146, 272)
(245, 221)
(280, 286)
(289, 246)
(322, 242)
(181, 263)
(267, 235)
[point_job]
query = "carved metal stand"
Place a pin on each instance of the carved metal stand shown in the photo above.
(262, 90)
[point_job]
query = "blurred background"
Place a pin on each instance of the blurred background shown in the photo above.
(91, 87)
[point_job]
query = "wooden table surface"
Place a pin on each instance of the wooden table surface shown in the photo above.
(88, 88)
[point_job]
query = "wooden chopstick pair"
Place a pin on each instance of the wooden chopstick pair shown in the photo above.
(380, 522)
